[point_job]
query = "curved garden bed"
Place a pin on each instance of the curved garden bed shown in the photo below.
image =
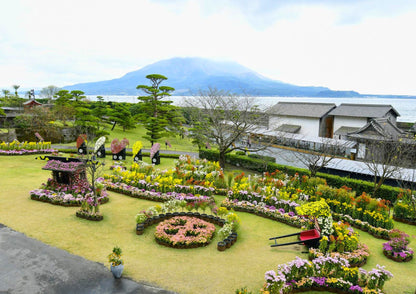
(151, 195)
(60, 198)
(266, 212)
(356, 258)
(395, 256)
(88, 216)
(325, 274)
(26, 152)
(406, 221)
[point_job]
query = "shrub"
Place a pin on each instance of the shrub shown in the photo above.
(401, 210)
(262, 157)
(359, 186)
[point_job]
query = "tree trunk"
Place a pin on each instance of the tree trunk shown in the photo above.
(377, 186)
(94, 193)
(222, 159)
(313, 170)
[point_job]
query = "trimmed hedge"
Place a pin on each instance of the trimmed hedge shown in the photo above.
(263, 157)
(256, 156)
(253, 163)
(360, 186)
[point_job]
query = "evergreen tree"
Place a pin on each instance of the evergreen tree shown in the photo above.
(159, 117)
(101, 111)
(63, 109)
(121, 115)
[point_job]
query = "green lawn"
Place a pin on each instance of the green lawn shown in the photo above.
(136, 134)
(201, 270)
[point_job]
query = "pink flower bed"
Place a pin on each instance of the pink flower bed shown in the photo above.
(26, 152)
(64, 166)
(184, 232)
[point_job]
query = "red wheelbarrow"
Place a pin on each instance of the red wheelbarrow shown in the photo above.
(309, 238)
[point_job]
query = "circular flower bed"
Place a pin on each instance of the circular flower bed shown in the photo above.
(184, 232)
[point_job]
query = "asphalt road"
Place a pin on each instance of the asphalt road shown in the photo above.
(30, 266)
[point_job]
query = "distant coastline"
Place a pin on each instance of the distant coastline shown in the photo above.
(405, 105)
(190, 74)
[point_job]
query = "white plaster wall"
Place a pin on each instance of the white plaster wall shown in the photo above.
(309, 126)
(345, 121)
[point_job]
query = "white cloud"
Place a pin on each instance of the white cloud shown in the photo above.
(344, 45)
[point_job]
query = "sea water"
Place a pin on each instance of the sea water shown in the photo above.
(405, 107)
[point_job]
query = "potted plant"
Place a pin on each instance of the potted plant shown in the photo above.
(221, 246)
(116, 262)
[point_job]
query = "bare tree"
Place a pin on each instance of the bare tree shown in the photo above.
(384, 158)
(223, 119)
(315, 155)
(49, 92)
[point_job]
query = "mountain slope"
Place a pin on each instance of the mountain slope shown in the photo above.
(190, 75)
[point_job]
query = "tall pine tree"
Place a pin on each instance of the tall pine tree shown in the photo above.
(159, 117)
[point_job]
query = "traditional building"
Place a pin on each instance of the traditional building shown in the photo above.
(349, 118)
(30, 104)
(307, 119)
(375, 131)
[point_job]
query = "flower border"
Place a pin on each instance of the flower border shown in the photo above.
(390, 255)
(135, 192)
(26, 152)
(60, 200)
(88, 216)
(361, 253)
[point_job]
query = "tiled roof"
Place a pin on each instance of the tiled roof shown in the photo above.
(301, 109)
(31, 101)
(379, 128)
(363, 110)
(345, 130)
(288, 128)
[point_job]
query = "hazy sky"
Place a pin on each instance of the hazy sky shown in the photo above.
(363, 45)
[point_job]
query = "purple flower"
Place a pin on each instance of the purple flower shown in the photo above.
(387, 246)
(403, 254)
(319, 280)
(356, 288)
